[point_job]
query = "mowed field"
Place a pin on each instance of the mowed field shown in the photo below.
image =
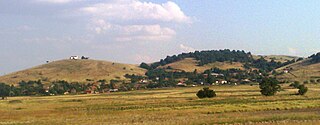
(233, 105)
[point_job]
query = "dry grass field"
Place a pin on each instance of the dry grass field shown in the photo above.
(74, 71)
(233, 105)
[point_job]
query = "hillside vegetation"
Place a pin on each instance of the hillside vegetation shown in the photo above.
(222, 59)
(277, 58)
(307, 70)
(190, 64)
(74, 71)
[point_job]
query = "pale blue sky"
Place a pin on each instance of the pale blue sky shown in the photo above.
(134, 31)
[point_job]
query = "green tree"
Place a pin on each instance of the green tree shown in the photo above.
(145, 66)
(302, 89)
(269, 86)
(296, 84)
(201, 94)
(4, 90)
(206, 93)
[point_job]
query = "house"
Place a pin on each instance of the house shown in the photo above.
(113, 90)
(221, 82)
(143, 81)
(73, 91)
(74, 57)
(93, 89)
(181, 84)
(216, 74)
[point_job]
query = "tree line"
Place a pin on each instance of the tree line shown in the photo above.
(226, 55)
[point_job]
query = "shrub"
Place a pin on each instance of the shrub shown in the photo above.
(211, 94)
(201, 94)
(302, 89)
(296, 84)
(269, 86)
(312, 81)
(206, 93)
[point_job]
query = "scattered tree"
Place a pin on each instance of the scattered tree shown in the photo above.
(302, 89)
(206, 93)
(295, 84)
(4, 90)
(269, 86)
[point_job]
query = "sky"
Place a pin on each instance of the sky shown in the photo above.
(134, 31)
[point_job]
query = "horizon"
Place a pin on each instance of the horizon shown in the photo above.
(68, 58)
(135, 31)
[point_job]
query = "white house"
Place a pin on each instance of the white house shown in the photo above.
(74, 57)
(181, 84)
(221, 82)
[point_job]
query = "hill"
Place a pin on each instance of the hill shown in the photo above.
(304, 70)
(277, 58)
(222, 59)
(190, 64)
(74, 71)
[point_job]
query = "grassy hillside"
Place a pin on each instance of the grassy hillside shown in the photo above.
(301, 71)
(277, 58)
(74, 70)
(190, 64)
(176, 106)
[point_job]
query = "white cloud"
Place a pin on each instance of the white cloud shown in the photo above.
(100, 26)
(137, 10)
(145, 33)
(143, 58)
(57, 1)
(134, 20)
(185, 48)
(292, 51)
(132, 32)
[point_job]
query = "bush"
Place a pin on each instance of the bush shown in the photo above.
(269, 86)
(211, 94)
(312, 81)
(302, 89)
(296, 84)
(201, 94)
(206, 93)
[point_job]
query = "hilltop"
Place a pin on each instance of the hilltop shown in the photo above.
(74, 71)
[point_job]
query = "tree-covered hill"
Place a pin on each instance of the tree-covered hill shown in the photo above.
(315, 58)
(226, 55)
